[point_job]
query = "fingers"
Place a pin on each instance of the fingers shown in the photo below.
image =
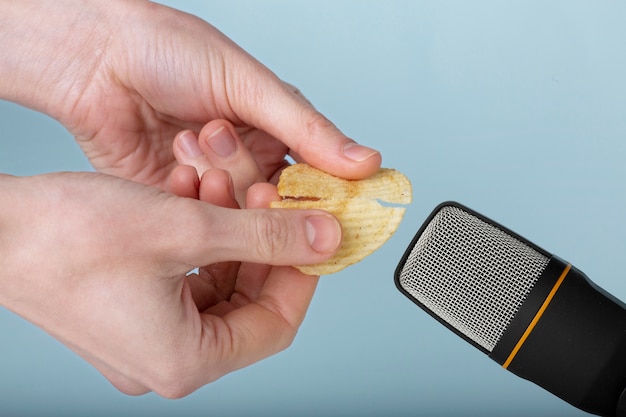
(208, 234)
(218, 146)
(223, 148)
(262, 328)
(217, 188)
(270, 309)
(184, 182)
(188, 152)
(260, 195)
(213, 284)
(265, 311)
(262, 316)
(282, 111)
(216, 282)
(251, 277)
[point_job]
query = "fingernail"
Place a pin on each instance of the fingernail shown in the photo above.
(222, 142)
(358, 153)
(323, 233)
(189, 144)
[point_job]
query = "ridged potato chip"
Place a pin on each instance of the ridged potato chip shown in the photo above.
(366, 223)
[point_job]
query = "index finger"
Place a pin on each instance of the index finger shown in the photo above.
(280, 110)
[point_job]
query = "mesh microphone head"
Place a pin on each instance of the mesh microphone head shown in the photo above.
(469, 273)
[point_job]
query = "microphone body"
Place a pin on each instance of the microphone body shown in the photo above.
(531, 312)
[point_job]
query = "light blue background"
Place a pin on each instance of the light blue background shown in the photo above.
(516, 109)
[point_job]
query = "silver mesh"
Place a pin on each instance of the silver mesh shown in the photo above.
(471, 274)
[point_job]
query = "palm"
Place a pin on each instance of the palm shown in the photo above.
(126, 108)
(221, 288)
(131, 136)
(140, 148)
(131, 142)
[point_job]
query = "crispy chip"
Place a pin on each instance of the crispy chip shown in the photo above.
(304, 181)
(366, 224)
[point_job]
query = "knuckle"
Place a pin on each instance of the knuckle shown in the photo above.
(171, 382)
(288, 340)
(272, 235)
(317, 123)
(175, 377)
(298, 93)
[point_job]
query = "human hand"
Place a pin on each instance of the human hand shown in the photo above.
(100, 263)
(217, 146)
(125, 77)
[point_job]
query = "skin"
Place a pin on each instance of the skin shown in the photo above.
(101, 260)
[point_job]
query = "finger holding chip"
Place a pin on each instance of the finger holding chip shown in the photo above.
(366, 223)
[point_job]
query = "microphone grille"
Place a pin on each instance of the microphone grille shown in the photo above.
(470, 273)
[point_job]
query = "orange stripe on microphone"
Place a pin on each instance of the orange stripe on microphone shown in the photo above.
(537, 317)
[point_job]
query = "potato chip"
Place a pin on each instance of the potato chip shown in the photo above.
(366, 224)
(304, 181)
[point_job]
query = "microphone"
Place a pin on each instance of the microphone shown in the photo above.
(533, 313)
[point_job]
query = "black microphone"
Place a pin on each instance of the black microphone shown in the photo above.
(531, 312)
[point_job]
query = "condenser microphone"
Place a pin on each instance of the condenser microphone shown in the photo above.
(533, 313)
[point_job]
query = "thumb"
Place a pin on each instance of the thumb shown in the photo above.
(282, 111)
(265, 236)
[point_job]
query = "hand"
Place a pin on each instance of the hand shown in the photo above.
(218, 145)
(126, 76)
(100, 263)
